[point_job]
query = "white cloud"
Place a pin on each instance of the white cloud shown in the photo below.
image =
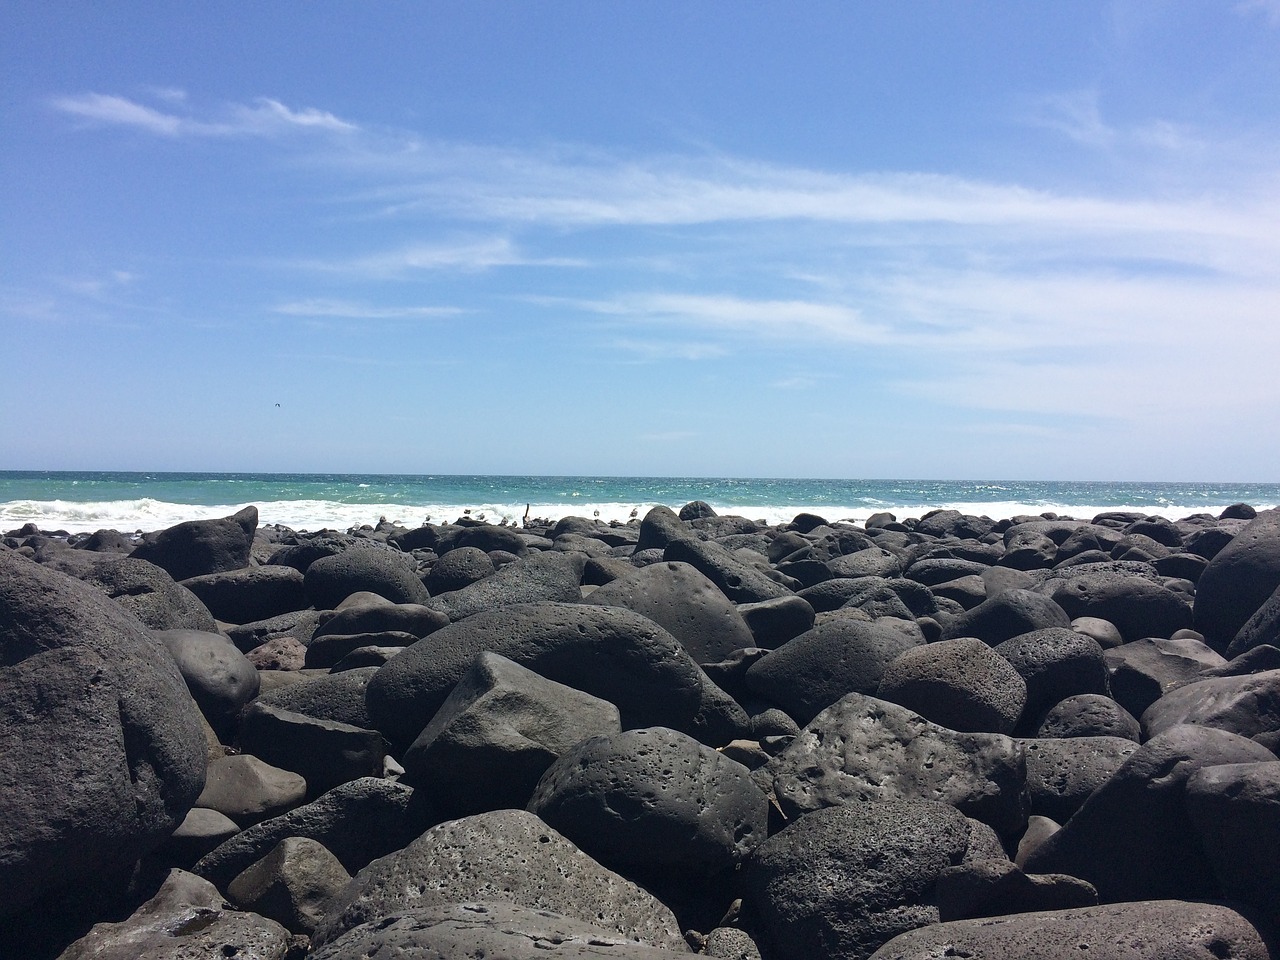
(348, 309)
(682, 349)
(470, 255)
(263, 117)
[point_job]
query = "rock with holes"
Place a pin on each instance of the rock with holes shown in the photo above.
(102, 752)
(841, 881)
(497, 733)
(1147, 930)
(1063, 773)
(1007, 614)
(740, 582)
(489, 929)
(1056, 663)
(509, 856)
(382, 570)
(146, 591)
(861, 748)
(609, 652)
(962, 684)
(541, 577)
(653, 803)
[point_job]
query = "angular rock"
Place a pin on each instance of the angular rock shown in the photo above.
(1149, 930)
(653, 804)
(357, 821)
(997, 887)
(291, 884)
(1261, 628)
(508, 856)
(609, 652)
(840, 882)
(197, 547)
(962, 684)
(250, 594)
(324, 752)
(842, 655)
(102, 751)
(329, 650)
(1143, 671)
(187, 918)
(740, 582)
(337, 697)
(861, 748)
(1132, 839)
(495, 736)
(773, 622)
(685, 603)
(250, 790)
(149, 593)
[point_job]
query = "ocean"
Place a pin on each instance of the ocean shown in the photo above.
(83, 502)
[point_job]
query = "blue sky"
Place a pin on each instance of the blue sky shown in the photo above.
(919, 240)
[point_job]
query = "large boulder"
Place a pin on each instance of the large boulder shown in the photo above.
(102, 752)
(654, 804)
(1056, 663)
(609, 652)
(685, 603)
(861, 748)
(1248, 705)
(1137, 606)
(146, 591)
(740, 582)
(218, 675)
(842, 881)
(1008, 614)
(1063, 772)
(497, 733)
(1132, 839)
(250, 594)
(1239, 579)
(541, 577)
(1148, 930)
(508, 856)
(197, 547)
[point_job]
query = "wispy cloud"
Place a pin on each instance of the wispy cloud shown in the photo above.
(465, 255)
(1269, 9)
(651, 350)
(263, 117)
(352, 310)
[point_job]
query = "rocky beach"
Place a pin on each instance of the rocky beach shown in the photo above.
(1036, 736)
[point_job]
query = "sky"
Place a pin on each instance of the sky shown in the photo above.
(978, 240)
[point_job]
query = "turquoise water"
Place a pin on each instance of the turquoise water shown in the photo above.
(128, 501)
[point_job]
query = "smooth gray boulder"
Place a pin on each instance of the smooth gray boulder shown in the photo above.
(488, 929)
(185, 920)
(1056, 663)
(679, 598)
(1143, 671)
(459, 568)
(840, 882)
(653, 804)
(219, 677)
(861, 748)
(1132, 839)
(1146, 930)
(250, 790)
(1137, 606)
(962, 684)
(841, 655)
(509, 856)
(102, 750)
(609, 652)
(774, 622)
(1260, 629)
(538, 578)
(148, 592)
(740, 582)
(496, 734)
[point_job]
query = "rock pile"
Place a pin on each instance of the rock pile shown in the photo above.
(937, 736)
